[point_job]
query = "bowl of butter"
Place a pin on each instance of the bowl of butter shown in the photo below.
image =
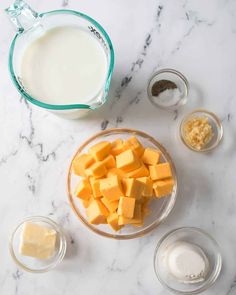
(37, 244)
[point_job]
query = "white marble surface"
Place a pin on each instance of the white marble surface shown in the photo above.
(195, 36)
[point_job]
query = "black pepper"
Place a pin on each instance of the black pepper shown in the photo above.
(162, 85)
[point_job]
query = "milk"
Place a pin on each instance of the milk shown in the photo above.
(64, 66)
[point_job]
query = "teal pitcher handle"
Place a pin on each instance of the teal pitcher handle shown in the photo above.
(22, 15)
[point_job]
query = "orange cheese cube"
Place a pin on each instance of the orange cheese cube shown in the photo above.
(109, 162)
(148, 186)
(137, 218)
(145, 210)
(142, 171)
(81, 163)
(115, 172)
(117, 147)
(126, 207)
(163, 187)
(151, 156)
(97, 212)
(95, 185)
(160, 171)
(86, 203)
(83, 190)
(133, 187)
(111, 206)
(111, 188)
(136, 146)
(100, 150)
(97, 170)
(112, 219)
(127, 161)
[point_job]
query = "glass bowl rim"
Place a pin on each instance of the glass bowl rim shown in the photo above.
(145, 230)
(163, 71)
(214, 275)
(44, 105)
(54, 225)
(215, 119)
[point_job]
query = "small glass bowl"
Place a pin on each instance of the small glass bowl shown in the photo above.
(215, 123)
(180, 81)
(195, 236)
(35, 265)
(159, 209)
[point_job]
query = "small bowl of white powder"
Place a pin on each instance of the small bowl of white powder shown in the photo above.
(168, 89)
(187, 261)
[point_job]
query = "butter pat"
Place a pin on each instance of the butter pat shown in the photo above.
(37, 241)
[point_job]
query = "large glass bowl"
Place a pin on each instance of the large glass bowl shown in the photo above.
(159, 209)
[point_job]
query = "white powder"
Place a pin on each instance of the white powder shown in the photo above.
(168, 97)
(187, 263)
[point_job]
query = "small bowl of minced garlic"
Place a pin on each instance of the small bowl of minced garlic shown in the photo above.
(201, 131)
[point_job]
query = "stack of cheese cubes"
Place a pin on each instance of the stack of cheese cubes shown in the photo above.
(119, 178)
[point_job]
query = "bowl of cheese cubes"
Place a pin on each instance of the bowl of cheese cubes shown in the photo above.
(122, 183)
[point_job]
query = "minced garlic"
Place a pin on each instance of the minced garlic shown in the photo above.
(197, 132)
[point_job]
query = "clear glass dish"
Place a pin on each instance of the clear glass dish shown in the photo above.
(30, 25)
(32, 264)
(195, 236)
(175, 77)
(159, 209)
(215, 123)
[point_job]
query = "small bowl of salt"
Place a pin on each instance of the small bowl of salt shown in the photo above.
(187, 260)
(168, 89)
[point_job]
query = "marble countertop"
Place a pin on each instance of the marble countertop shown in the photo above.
(195, 37)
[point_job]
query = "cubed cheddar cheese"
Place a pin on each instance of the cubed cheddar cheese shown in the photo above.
(145, 210)
(137, 217)
(127, 161)
(151, 156)
(136, 146)
(117, 147)
(112, 220)
(100, 150)
(148, 186)
(126, 207)
(163, 187)
(97, 212)
(111, 206)
(97, 170)
(115, 172)
(83, 190)
(95, 185)
(87, 202)
(109, 162)
(133, 187)
(82, 162)
(160, 171)
(142, 171)
(111, 188)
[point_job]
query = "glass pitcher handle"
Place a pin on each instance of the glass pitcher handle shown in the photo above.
(22, 15)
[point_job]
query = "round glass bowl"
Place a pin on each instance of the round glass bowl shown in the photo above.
(174, 98)
(195, 236)
(35, 265)
(159, 209)
(216, 126)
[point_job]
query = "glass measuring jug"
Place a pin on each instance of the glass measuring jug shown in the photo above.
(32, 25)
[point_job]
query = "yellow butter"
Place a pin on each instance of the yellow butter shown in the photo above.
(37, 241)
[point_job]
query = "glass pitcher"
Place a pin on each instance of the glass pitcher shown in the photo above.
(31, 25)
